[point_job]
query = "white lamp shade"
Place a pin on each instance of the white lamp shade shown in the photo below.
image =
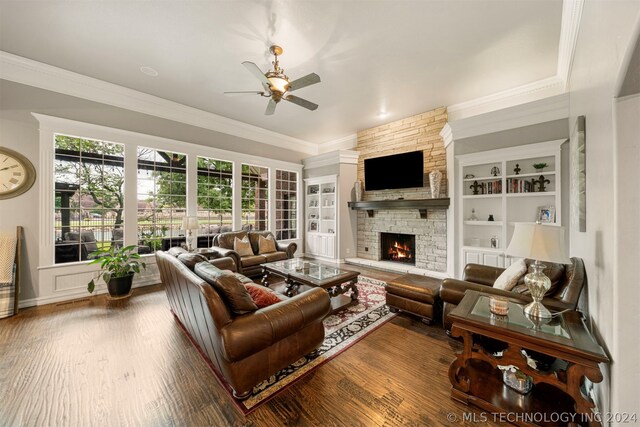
(538, 242)
(190, 223)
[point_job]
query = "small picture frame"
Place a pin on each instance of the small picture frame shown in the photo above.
(313, 226)
(546, 214)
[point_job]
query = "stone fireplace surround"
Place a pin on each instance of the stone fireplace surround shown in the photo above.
(431, 233)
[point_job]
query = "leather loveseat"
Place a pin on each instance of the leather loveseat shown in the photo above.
(248, 348)
(251, 265)
(567, 282)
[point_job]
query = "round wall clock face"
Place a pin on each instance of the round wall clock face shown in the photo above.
(17, 174)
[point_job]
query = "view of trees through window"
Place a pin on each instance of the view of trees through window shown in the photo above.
(215, 195)
(286, 204)
(89, 197)
(255, 197)
(162, 198)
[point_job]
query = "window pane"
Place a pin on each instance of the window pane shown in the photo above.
(89, 196)
(162, 192)
(255, 197)
(286, 193)
(215, 195)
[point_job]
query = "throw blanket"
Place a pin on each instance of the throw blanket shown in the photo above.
(7, 256)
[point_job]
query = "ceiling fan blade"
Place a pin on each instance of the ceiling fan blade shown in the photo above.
(271, 107)
(308, 80)
(253, 69)
(301, 102)
(244, 92)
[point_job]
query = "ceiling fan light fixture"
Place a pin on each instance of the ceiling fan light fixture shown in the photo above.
(278, 84)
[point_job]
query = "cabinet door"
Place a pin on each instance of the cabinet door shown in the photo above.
(494, 260)
(331, 247)
(472, 257)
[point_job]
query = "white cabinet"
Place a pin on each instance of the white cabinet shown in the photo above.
(321, 219)
(496, 189)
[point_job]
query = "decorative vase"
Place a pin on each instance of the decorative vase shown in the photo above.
(357, 188)
(435, 179)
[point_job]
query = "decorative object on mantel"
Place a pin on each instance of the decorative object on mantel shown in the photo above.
(517, 169)
(475, 187)
(540, 166)
(495, 171)
(491, 218)
(473, 216)
(435, 179)
(540, 182)
(357, 190)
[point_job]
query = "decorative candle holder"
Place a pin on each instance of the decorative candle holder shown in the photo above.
(499, 306)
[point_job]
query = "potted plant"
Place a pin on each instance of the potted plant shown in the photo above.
(540, 166)
(117, 268)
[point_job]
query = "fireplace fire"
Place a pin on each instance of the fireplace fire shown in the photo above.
(398, 247)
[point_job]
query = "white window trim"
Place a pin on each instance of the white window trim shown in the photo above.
(49, 126)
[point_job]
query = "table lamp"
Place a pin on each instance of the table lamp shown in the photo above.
(540, 243)
(189, 223)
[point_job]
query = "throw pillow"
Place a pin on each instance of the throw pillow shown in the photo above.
(266, 245)
(177, 250)
(261, 296)
(228, 286)
(190, 260)
(509, 278)
(242, 247)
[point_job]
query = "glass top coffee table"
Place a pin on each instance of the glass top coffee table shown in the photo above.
(297, 273)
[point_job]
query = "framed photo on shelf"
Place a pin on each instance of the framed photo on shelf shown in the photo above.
(546, 214)
(313, 226)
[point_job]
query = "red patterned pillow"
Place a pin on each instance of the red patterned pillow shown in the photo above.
(261, 296)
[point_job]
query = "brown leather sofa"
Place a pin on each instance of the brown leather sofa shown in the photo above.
(248, 348)
(251, 265)
(568, 281)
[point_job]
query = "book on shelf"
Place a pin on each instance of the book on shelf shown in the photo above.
(490, 187)
(515, 185)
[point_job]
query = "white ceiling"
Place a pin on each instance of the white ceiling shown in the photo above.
(402, 57)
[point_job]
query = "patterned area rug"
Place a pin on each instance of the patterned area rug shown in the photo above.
(342, 330)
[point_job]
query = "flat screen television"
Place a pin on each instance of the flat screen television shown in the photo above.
(405, 170)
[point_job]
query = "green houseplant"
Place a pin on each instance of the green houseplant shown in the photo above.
(117, 268)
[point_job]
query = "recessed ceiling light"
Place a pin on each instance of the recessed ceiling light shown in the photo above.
(149, 71)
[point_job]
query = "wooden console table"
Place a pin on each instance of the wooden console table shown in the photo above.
(476, 379)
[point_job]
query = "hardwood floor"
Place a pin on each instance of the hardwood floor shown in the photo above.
(124, 363)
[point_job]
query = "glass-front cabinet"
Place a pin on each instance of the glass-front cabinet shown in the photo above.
(320, 216)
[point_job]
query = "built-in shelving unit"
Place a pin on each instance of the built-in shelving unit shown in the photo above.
(321, 218)
(489, 185)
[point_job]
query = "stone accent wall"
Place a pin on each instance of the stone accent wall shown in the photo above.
(419, 132)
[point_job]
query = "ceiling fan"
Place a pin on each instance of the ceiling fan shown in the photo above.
(277, 85)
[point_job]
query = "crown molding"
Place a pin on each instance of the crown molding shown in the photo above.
(33, 73)
(344, 143)
(531, 113)
(331, 158)
(569, 28)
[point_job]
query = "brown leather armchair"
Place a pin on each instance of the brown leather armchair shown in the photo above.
(244, 349)
(568, 281)
(252, 265)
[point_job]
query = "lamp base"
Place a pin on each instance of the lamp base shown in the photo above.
(536, 309)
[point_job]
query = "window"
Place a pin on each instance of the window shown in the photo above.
(89, 197)
(162, 198)
(255, 197)
(286, 205)
(215, 195)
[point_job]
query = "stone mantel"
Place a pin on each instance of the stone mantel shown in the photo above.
(405, 204)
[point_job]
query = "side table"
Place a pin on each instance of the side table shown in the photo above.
(476, 379)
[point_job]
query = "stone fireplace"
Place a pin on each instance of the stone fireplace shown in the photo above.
(398, 247)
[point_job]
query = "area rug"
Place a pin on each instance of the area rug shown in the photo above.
(342, 330)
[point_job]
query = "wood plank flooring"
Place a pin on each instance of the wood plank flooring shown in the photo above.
(96, 362)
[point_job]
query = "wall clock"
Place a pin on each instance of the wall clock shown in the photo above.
(17, 173)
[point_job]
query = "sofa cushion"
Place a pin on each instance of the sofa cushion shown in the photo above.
(177, 250)
(225, 240)
(262, 296)
(254, 238)
(242, 247)
(266, 245)
(190, 260)
(230, 288)
(249, 261)
(510, 277)
(275, 256)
